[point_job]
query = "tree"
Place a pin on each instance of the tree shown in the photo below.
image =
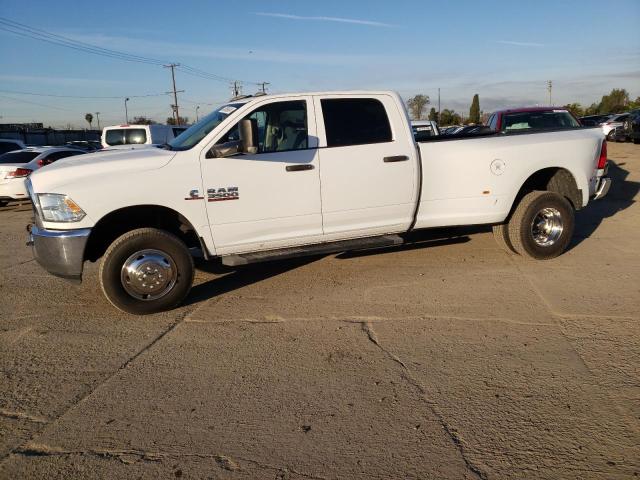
(449, 117)
(89, 118)
(591, 109)
(433, 115)
(183, 121)
(474, 111)
(615, 102)
(142, 120)
(575, 108)
(417, 105)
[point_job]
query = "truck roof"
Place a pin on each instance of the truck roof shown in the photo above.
(249, 98)
(529, 109)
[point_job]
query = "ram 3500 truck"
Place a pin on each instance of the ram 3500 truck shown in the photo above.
(275, 176)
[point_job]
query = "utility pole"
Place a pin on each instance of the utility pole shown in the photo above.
(175, 107)
(98, 117)
(263, 86)
(197, 108)
(438, 105)
(549, 87)
(126, 113)
(236, 88)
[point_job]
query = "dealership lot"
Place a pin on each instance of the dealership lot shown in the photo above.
(444, 358)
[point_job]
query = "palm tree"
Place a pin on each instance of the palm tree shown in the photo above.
(89, 118)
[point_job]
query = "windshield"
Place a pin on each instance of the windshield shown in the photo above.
(18, 157)
(192, 135)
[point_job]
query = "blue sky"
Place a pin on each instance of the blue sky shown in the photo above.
(503, 50)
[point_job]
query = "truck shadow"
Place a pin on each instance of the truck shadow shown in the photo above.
(235, 278)
(620, 197)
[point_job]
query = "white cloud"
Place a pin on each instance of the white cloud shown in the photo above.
(521, 44)
(355, 21)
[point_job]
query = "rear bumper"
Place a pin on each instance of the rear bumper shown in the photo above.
(13, 190)
(603, 187)
(59, 252)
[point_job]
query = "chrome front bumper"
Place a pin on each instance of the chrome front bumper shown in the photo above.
(59, 252)
(603, 188)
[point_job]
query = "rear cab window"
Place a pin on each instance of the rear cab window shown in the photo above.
(355, 121)
(125, 136)
(538, 120)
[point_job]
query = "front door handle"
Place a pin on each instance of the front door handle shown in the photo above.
(298, 168)
(395, 158)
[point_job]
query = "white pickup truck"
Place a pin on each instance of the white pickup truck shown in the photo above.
(276, 176)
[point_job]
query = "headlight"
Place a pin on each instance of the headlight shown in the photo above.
(59, 208)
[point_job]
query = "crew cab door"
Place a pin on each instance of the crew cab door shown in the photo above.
(271, 198)
(369, 167)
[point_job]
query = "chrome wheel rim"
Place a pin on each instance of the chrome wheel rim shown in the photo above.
(547, 227)
(149, 274)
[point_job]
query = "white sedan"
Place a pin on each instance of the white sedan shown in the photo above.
(16, 166)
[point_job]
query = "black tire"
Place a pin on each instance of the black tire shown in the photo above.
(522, 231)
(4, 203)
(501, 234)
(146, 241)
(636, 141)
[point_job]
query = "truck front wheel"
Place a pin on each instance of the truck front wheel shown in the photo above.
(542, 225)
(146, 271)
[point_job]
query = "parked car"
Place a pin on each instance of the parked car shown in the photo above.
(17, 165)
(9, 145)
(612, 123)
(310, 173)
(618, 134)
(135, 135)
(470, 130)
(632, 126)
(86, 145)
(531, 119)
(424, 128)
(593, 120)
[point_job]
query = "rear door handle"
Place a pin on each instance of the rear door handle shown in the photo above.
(298, 168)
(395, 158)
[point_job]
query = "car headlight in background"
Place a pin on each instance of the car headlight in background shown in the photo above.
(56, 207)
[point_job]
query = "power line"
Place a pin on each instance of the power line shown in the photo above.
(15, 92)
(35, 103)
(37, 34)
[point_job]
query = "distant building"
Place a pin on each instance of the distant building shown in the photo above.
(21, 126)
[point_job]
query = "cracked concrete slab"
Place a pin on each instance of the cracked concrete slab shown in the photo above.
(328, 404)
(537, 409)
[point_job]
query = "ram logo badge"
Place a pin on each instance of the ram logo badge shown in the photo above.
(221, 194)
(194, 195)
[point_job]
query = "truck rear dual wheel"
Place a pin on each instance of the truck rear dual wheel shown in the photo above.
(501, 234)
(542, 225)
(146, 271)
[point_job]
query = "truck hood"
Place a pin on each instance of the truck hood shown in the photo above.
(98, 165)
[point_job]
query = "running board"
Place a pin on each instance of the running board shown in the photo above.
(316, 249)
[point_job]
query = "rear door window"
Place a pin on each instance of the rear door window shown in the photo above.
(355, 121)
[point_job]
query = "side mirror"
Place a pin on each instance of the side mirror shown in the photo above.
(224, 150)
(248, 130)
